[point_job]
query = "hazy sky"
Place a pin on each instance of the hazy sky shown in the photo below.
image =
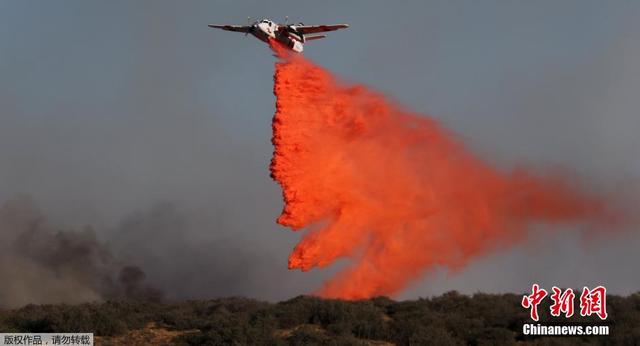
(136, 118)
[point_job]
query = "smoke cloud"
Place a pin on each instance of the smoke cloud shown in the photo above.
(394, 191)
(39, 264)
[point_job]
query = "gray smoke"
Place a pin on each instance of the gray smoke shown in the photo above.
(164, 241)
(40, 264)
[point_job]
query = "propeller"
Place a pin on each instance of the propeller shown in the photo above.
(286, 20)
(248, 23)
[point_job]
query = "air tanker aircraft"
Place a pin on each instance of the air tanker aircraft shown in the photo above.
(291, 35)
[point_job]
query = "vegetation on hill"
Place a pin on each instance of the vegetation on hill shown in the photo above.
(450, 319)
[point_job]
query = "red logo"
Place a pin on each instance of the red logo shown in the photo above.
(532, 301)
(591, 301)
(594, 302)
(562, 302)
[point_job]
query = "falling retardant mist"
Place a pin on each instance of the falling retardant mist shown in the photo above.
(392, 191)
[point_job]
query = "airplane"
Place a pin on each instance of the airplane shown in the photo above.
(292, 36)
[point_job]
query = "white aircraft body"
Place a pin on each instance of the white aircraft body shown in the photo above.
(291, 35)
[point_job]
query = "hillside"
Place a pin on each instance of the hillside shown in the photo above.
(450, 319)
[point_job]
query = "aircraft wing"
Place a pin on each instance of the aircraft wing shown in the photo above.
(237, 28)
(311, 29)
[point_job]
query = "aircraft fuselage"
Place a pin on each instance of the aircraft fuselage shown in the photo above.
(265, 31)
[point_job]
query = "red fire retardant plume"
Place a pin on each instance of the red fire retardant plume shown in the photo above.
(393, 191)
